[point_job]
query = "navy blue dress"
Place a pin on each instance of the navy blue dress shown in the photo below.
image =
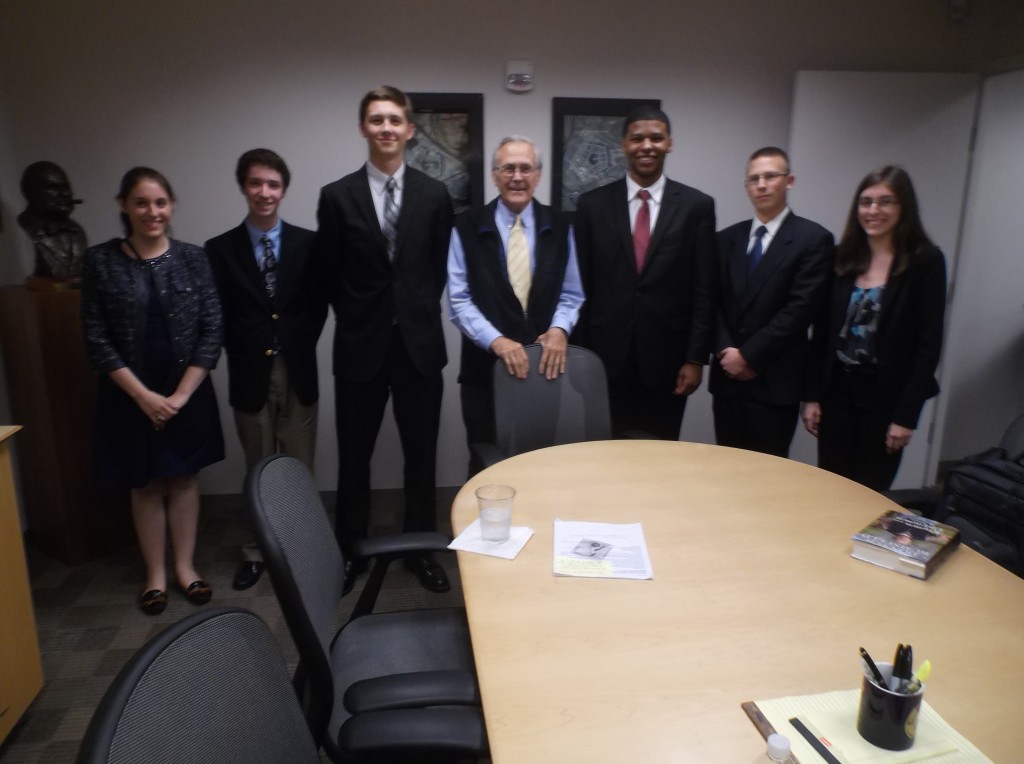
(129, 452)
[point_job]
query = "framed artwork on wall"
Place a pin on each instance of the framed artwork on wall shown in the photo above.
(449, 143)
(585, 150)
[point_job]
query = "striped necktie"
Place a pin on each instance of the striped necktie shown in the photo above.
(390, 227)
(517, 260)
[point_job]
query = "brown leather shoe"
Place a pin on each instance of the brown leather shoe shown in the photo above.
(153, 602)
(198, 592)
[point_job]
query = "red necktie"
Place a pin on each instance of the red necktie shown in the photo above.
(642, 230)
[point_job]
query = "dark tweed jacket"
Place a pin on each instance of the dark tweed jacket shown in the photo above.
(114, 306)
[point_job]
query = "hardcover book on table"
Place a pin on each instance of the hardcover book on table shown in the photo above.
(906, 543)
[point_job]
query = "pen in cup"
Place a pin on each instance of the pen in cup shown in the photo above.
(875, 673)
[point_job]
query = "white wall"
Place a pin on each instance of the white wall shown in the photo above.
(984, 368)
(186, 87)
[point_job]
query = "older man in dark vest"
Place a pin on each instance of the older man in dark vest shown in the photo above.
(513, 280)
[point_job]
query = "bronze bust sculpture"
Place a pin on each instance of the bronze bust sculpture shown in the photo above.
(59, 241)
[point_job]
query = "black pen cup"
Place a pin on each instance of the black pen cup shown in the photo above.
(885, 718)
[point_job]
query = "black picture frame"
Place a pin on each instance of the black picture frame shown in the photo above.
(586, 134)
(449, 143)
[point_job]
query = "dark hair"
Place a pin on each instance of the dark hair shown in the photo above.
(264, 157)
(645, 112)
(770, 151)
(386, 93)
(130, 180)
(853, 255)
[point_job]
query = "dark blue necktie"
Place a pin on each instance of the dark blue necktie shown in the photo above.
(757, 251)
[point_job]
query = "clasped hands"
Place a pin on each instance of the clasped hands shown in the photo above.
(159, 410)
(554, 342)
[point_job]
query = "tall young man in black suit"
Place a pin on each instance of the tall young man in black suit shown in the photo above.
(273, 315)
(382, 246)
(774, 272)
(647, 258)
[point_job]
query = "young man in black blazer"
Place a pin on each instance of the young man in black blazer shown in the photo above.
(382, 245)
(774, 272)
(273, 315)
(646, 249)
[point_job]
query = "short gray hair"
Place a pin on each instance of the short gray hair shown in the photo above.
(515, 139)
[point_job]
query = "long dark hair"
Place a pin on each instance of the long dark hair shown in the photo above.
(853, 255)
(131, 179)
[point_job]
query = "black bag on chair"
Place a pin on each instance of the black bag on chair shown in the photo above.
(984, 498)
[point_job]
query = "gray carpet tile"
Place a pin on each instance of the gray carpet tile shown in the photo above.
(89, 626)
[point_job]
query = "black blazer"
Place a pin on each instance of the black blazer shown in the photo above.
(767, 314)
(667, 310)
(251, 321)
(368, 292)
(909, 336)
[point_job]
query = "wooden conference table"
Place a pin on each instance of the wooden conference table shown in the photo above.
(754, 597)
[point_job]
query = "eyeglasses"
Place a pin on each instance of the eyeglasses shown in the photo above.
(883, 203)
(509, 170)
(767, 177)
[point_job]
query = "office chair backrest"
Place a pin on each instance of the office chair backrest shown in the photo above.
(537, 412)
(306, 569)
(211, 688)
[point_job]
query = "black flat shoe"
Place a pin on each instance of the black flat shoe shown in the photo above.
(198, 592)
(431, 575)
(247, 575)
(153, 602)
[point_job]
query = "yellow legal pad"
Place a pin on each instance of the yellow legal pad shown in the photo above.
(833, 715)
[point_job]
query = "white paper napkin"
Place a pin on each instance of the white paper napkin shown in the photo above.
(469, 541)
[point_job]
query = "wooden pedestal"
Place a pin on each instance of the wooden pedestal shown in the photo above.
(52, 394)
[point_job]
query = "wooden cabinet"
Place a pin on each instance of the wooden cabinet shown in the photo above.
(20, 666)
(53, 396)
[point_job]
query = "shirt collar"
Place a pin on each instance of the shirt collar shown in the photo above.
(378, 178)
(255, 234)
(656, 189)
(772, 225)
(506, 217)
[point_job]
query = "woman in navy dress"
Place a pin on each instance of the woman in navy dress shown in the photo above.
(878, 348)
(152, 328)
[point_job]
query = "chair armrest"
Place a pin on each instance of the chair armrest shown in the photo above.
(406, 732)
(385, 550)
(487, 454)
(401, 543)
(413, 690)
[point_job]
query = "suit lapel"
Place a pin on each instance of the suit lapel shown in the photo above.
(670, 207)
(242, 249)
(364, 203)
(778, 248)
(620, 211)
(736, 261)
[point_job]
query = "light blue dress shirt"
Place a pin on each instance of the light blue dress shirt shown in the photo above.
(464, 313)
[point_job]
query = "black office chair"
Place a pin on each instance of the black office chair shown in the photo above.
(537, 412)
(926, 500)
(408, 677)
(178, 699)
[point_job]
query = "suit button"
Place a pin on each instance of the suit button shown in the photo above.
(269, 352)
(274, 316)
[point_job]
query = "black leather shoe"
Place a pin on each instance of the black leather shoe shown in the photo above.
(353, 570)
(431, 575)
(248, 573)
